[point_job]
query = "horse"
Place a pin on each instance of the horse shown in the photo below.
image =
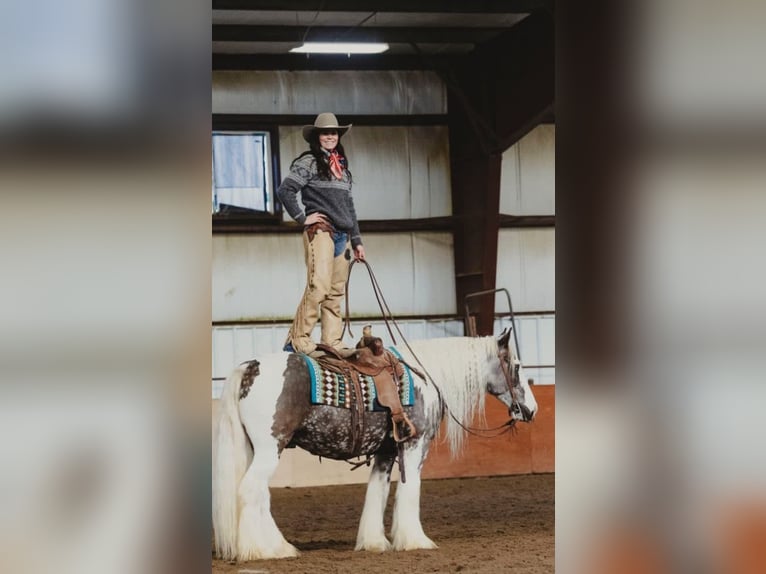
(265, 407)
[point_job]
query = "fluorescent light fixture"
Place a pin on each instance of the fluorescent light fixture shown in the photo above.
(341, 48)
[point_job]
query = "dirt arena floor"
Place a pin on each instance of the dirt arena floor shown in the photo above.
(481, 525)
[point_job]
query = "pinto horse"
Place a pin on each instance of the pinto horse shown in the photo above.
(265, 407)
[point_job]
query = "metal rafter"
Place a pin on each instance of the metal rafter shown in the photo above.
(411, 6)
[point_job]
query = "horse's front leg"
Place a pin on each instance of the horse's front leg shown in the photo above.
(372, 533)
(406, 530)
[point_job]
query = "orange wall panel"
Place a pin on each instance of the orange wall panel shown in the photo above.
(529, 448)
(544, 430)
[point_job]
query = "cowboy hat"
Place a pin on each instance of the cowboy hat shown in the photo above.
(325, 121)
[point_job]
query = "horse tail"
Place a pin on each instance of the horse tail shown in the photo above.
(230, 460)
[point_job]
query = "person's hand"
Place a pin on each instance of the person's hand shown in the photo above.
(359, 253)
(316, 217)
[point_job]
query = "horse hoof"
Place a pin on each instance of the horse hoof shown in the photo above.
(378, 547)
(419, 544)
(287, 550)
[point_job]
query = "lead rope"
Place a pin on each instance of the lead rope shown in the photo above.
(384, 310)
(387, 315)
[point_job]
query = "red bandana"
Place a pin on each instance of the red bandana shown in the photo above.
(335, 164)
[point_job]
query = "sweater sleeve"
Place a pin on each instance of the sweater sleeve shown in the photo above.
(292, 185)
(356, 236)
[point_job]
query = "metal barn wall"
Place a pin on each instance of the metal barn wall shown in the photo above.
(310, 92)
(259, 277)
(526, 267)
(526, 256)
(528, 182)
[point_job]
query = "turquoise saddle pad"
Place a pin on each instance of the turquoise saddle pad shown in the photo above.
(333, 389)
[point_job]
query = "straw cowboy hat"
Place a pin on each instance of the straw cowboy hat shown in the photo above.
(325, 121)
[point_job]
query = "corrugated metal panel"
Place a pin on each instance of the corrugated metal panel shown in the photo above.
(233, 345)
(526, 267)
(537, 345)
(546, 337)
(257, 277)
(415, 272)
(310, 92)
(528, 180)
(224, 357)
(399, 172)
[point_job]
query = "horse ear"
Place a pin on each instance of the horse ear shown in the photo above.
(502, 339)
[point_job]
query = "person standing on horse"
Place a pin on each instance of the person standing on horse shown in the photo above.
(322, 178)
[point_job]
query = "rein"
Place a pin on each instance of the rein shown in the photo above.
(387, 315)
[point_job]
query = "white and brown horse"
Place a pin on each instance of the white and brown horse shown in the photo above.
(265, 407)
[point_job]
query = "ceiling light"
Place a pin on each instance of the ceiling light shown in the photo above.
(341, 48)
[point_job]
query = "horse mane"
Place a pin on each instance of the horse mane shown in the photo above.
(458, 366)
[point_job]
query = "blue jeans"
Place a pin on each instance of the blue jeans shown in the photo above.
(340, 239)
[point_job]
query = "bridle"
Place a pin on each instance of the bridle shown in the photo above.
(503, 355)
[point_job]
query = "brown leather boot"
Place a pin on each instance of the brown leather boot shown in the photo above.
(401, 418)
(388, 396)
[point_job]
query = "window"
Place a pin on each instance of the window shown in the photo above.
(242, 173)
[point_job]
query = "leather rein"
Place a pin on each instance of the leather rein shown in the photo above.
(501, 356)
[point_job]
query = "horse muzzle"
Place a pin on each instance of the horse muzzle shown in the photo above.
(521, 413)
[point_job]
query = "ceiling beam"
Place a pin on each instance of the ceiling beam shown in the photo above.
(421, 6)
(517, 92)
(257, 224)
(549, 117)
(290, 62)
(422, 35)
(528, 81)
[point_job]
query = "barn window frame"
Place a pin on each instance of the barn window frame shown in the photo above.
(226, 216)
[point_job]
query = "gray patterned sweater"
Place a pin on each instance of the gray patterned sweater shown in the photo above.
(332, 198)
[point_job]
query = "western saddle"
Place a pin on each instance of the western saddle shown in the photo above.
(372, 359)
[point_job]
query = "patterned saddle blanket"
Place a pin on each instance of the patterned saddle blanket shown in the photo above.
(333, 389)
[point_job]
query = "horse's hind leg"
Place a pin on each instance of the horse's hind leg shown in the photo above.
(372, 534)
(406, 530)
(259, 537)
